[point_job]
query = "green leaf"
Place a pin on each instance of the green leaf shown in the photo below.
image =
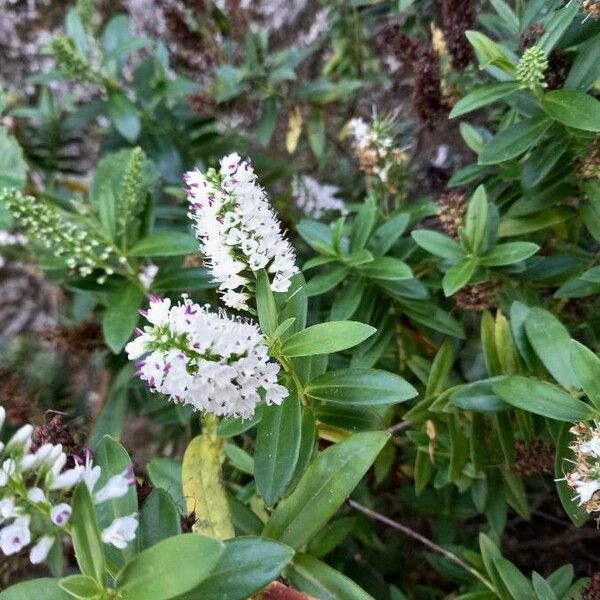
(267, 121)
(325, 485)
(318, 579)
(165, 243)
(247, 565)
(13, 168)
(516, 583)
(438, 244)
(348, 299)
(543, 590)
(550, 340)
(326, 338)
(159, 519)
(165, 473)
(386, 235)
(360, 387)
(563, 464)
(113, 459)
(44, 589)
(316, 132)
(363, 225)
(556, 26)
(121, 316)
(327, 280)
(203, 486)
(507, 254)
(586, 366)
(479, 396)
(585, 70)
(459, 275)
(277, 448)
(514, 140)
(124, 116)
(476, 220)
(81, 586)
(265, 303)
(386, 268)
(490, 53)
(85, 534)
(483, 96)
(167, 570)
(542, 398)
(574, 109)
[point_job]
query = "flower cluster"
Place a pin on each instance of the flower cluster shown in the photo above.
(80, 247)
(315, 199)
(205, 359)
(238, 230)
(585, 478)
(532, 67)
(35, 482)
(374, 148)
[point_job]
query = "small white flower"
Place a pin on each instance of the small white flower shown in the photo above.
(14, 537)
(207, 360)
(60, 514)
(315, 199)
(36, 495)
(68, 479)
(22, 437)
(2, 416)
(7, 508)
(585, 490)
(39, 552)
(120, 532)
(116, 487)
(238, 230)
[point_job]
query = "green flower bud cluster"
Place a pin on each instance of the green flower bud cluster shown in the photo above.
(131, 183)
(532, 67)
(70, 61)
(81, 248)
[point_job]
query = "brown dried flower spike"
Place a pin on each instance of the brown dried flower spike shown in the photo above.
(478, 297)
(534, 459)
(451, 211)
(592, 590)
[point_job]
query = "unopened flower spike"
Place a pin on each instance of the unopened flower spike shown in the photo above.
(532, 68)
(238, 230)
(207, 360)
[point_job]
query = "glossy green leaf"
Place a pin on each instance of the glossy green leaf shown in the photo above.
(586, 366)
(326, 338)
(542, 398)
(459, 275)
(265, 303)
(165, 243)
(159, 519)
(387, 268)
(482, 97)
(85, 534)
(277, 448)
(550, 340)
(574, 109)
(81, 587)
(362, 387)
(318, 579)
(121, 316)
(44, 588)
(160, 573)
(323, 488)
(508, 254)
(438, 244)
(247, 565)
(514, 140)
